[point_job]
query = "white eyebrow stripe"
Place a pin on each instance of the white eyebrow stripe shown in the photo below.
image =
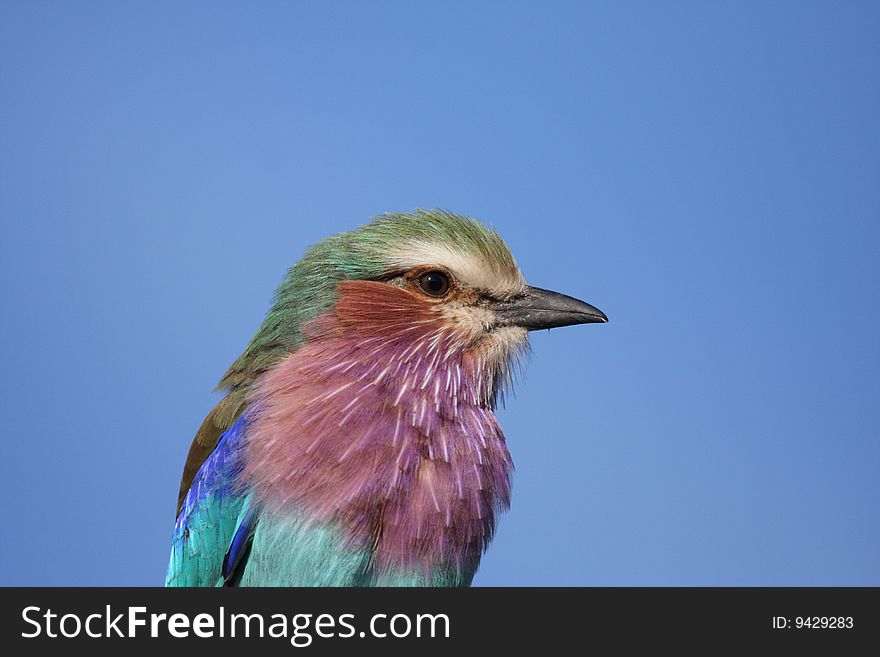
(471, 269)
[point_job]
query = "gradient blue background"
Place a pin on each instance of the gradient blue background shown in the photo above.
(706, 173)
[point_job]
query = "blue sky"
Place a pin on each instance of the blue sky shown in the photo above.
(708, 174)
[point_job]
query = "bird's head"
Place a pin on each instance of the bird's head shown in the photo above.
(421, 285)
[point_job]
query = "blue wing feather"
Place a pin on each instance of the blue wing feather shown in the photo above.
(236, 555)
(212, 511)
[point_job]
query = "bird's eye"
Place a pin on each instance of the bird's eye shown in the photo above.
(433, 283)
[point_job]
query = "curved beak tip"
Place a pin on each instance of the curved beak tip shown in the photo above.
(544, 309)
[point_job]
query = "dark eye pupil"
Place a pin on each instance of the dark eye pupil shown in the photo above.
(434, 283)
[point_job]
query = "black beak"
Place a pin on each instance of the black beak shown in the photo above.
(542, 309)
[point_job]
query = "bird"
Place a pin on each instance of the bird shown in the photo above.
(357, 442)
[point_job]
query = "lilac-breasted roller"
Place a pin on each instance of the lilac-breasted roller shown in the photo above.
(357, 443)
